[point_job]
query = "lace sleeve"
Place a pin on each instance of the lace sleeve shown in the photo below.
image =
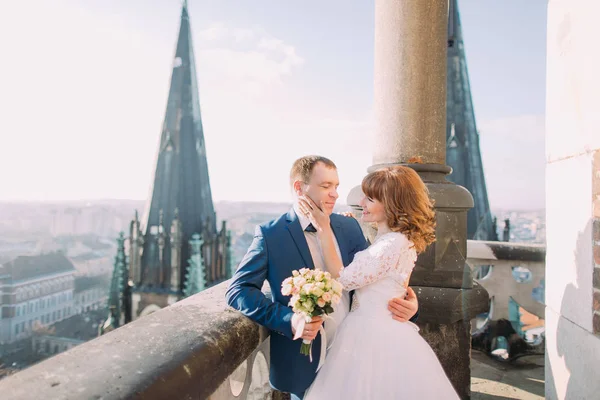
(375, 262)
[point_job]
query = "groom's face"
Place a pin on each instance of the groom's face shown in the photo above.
(322, 186)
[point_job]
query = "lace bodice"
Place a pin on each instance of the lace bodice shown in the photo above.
(380, 272)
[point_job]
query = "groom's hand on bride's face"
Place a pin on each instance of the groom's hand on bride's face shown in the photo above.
(403, 309)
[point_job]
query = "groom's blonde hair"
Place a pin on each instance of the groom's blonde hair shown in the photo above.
(303, 167)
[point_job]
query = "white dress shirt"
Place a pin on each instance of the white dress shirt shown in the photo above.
(314, 245)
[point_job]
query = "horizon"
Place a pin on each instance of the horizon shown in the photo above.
(100, 200)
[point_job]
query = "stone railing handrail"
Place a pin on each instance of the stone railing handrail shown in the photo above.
(484, 250)
(499, 259)
(185, 351)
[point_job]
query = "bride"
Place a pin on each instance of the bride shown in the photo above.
(373, 356)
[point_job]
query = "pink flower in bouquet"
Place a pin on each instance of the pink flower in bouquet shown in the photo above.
(286, 290)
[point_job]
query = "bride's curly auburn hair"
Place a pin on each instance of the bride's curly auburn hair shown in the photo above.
(406, 202)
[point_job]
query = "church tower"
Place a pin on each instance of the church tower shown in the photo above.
(176, 249)
(462, 138)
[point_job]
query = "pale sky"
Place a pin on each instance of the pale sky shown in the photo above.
(84, 84)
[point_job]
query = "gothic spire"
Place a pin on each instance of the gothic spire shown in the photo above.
(195, 279)
(117, 288)
(181, 180)
(462, 150)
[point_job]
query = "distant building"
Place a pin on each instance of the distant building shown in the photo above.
(93, 264)
(90, 293)
(36, 290)
(176, 249)
(67, 333)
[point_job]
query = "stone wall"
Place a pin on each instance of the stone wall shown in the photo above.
(572, 203)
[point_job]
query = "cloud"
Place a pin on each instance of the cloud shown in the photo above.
(246, 60)
(514, 162)
(99, 110)
(254, 126)
(214, 31)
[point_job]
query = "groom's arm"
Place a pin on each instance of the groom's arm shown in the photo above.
(245, 294)
(405, 308)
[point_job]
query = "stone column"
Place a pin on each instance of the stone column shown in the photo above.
(410, 108)
(572, 200)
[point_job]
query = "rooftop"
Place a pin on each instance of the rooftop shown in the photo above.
(25, 268)
(87, 282)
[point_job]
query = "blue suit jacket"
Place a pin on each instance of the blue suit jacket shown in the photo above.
(278, 248)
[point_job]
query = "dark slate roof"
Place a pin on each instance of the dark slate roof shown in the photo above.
(32, 267)
(87, 282)
(81, 326)
(462, 138)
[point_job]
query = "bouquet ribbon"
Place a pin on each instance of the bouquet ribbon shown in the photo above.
(298, 335)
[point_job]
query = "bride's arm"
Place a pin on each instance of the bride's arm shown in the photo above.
(333, 262)
(374, 263)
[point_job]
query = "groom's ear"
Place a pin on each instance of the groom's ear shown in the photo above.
(298, 188)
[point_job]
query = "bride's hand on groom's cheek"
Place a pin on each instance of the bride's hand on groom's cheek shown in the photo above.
(313, 212)
(403, 309)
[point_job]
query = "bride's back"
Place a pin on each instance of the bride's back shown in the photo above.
(391, 272)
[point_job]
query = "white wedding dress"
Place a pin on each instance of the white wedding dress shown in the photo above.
(374, 356)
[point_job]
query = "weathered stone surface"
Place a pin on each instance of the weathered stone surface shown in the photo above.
(410, 81)
(509, 251)
(452, 344)
(448, 305)
(517, 251)
(444, 262)
(596, 247)
(597, 300)
(184, 351)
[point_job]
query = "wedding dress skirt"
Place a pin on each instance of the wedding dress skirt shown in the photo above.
(374, 356)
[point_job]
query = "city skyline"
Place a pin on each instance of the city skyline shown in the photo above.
(95, 78)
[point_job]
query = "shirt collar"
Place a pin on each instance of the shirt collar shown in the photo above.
(304, 221)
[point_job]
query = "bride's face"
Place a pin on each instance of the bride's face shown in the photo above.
(373, 210)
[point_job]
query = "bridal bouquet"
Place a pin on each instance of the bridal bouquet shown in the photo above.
(314, 293)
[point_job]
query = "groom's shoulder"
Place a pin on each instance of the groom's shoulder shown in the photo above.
(346, 222)
(343, 220)
(274, 224)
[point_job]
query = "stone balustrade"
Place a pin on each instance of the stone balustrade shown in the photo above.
(200, 348)
(510, 272)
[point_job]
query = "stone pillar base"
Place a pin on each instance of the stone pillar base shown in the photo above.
(445, 322)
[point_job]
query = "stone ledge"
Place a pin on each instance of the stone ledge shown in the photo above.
(183, 351)
(487, 250)
(447, 305)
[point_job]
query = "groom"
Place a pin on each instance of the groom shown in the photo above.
(290, 243)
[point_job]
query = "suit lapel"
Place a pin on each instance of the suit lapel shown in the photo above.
(295, 230)
(338, 231)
